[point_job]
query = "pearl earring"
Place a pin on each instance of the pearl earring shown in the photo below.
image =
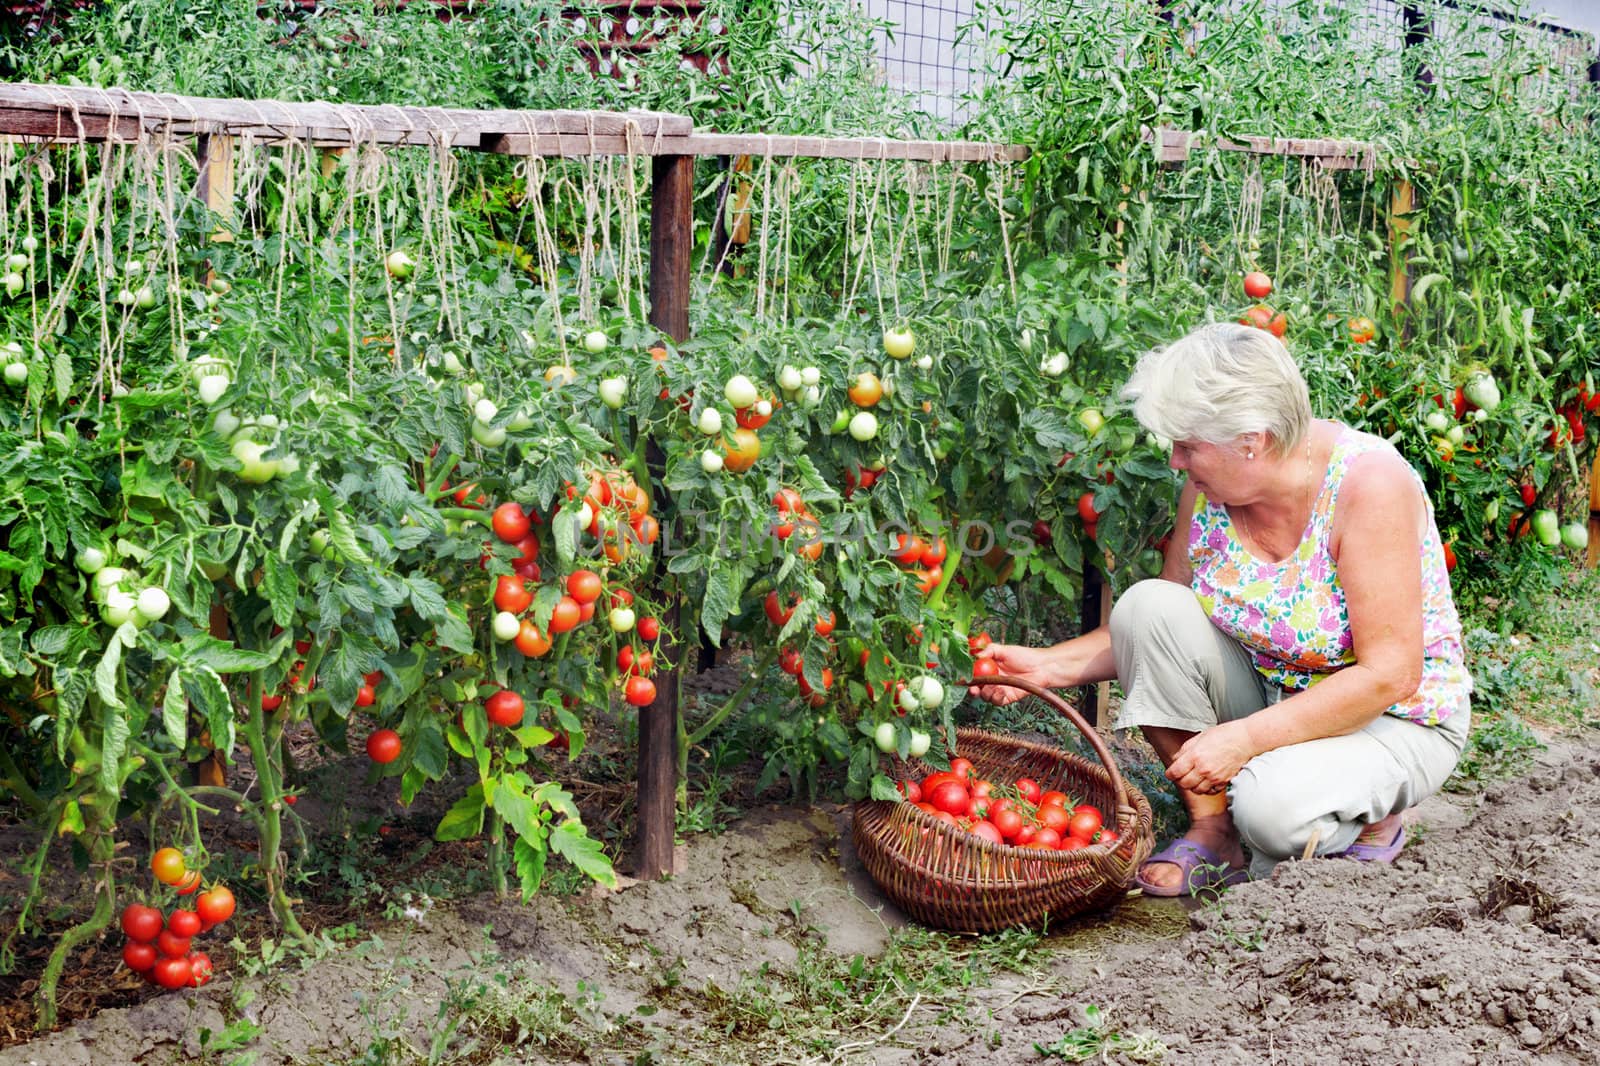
(1249, 455)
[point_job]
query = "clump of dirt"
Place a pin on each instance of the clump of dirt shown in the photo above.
(1480, 944)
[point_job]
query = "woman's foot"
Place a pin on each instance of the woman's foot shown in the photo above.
(1214, 834)
(1381, 841)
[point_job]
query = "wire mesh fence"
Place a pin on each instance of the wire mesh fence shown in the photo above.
(934, 50)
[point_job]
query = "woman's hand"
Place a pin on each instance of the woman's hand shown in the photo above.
(1042, 666)
(1210, 759)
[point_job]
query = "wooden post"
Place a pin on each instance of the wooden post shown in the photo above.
(1593, 558)
(671, 244)
(215, 185)
(1402, 201)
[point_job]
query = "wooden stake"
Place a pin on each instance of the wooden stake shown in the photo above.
(1593, 558)
(216, 181)
(1401, 203)
(671, 245)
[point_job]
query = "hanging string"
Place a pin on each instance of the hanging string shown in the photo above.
(999, 187)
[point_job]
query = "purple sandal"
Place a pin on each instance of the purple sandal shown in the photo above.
(1384, 853)
(1203, 870)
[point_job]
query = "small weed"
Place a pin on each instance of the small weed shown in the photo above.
(1096, 1040)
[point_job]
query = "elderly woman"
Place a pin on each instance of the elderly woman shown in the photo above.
(1298, 664)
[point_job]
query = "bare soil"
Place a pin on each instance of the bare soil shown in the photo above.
(1481, 944)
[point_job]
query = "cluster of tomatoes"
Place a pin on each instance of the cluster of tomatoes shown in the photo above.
(924, 559)
(159, 946)
(1023, 816)
(793, 516)
(790, 661)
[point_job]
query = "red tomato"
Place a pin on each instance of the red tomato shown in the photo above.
(527, 550)
(985, 668)
(987, 831)
(584, 586)
(509, 522)
(171, 972)
(172, 945)
(909, 549)
(1008, 821)
(585, 611)
(928, 578)
(1025, 836)
(961, 768)
(640, 691)
(530, 641)
(190, 882)
(1086, 508)
(1053, 799)
(183, 923)
(200, 968)
(215, 906)
(776, 614)
(649, 628)
(1048, 837)
(383, 746)
(951, 796)
(138, 956)
(1072, 843)
(366, 696)
(1085, 822)
(1028, 789)
(140, 923)
(1257, 285)
(1529, 493)
(374, 679)
(911, 791)
(791, 662)
(511, 594)
(566, 615)
(935, 553)
(939, 777)
(1053, 817)
(1108, 836)
(825, 623)
(504, 708)
(1449, 558)
(979, 642)
(271, 703)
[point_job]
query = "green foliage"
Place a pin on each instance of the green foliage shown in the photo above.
(1095, 1039)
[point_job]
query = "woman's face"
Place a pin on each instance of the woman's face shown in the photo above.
(1220, 471)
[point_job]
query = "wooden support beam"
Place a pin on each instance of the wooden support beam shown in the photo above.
(1402, 200)
(215, 186)
(1593, 558)
(671, 262)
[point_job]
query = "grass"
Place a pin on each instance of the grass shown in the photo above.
(1095, 1039)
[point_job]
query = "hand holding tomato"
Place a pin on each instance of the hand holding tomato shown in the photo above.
(1038, 665)
(1210, 759)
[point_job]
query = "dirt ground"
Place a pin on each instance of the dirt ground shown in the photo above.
(1480, 945)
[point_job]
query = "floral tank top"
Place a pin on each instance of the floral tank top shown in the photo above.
(1291, 615)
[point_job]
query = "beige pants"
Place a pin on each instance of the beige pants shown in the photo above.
(1179, 671)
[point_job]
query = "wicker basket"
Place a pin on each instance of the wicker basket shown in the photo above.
(943, 876)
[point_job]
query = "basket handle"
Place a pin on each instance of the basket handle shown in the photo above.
(1088, 731)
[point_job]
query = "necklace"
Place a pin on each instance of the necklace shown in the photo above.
(1305, 506)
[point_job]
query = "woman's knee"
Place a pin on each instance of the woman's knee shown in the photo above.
(1267, 823)
(1151, 606)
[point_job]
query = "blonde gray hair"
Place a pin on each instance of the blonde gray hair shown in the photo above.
(1219, 383)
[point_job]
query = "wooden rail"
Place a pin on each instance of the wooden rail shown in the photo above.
(1175, 146)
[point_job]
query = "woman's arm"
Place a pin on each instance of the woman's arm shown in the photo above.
(1086, 659)
(1377, 543)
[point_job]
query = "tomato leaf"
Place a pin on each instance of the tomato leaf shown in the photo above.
(280, 584)
(62, 367)
(210, 698)
(223, 656)
(114, 733)
(72, 691)
(884, 789)
(529, 858)
(572, 842)
(105, 673)
(519, 810)
(175, 710)
(555, 797)
(13, 659)
(51, 640)
(464, 819)
(724, 585)
(428, 752)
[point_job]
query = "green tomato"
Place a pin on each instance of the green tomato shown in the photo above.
(16, 374)
(840, 422)
(153, 603)
(211, 388)
(863, 426)
(118, 608)
(399, 264)
(1575, 535)
(255, 469)
(621, 619)
(322, 543)
(1547, 527)
(106, 579)
(740, 391)
(884, 737)
(613, 392)
(595, 341)
(710, 422)
(899, 343)
(488, 436)
(91, 560)
(506, 626)
(920, 743)
(1091, 420)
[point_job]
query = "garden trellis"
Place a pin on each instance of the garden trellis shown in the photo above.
(52, 114)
